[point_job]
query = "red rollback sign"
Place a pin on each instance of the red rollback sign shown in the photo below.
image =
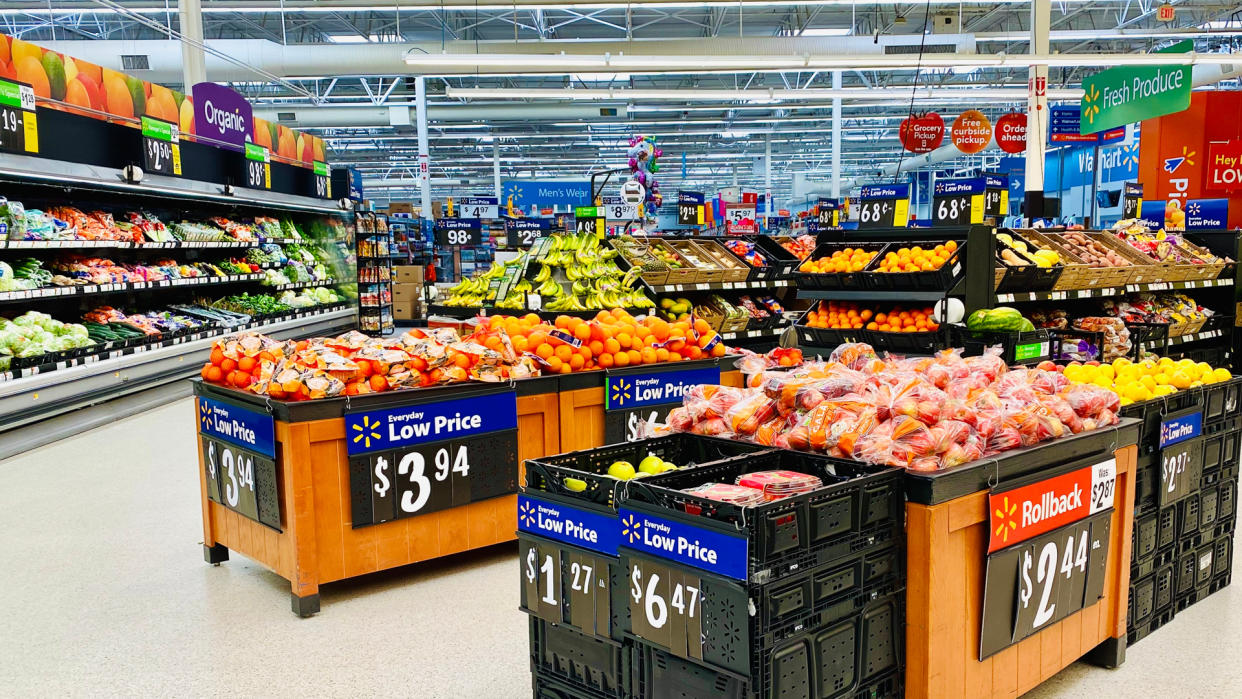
(922, 133)
(1030, 510)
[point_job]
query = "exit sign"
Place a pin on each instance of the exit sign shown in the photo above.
(1165, 12)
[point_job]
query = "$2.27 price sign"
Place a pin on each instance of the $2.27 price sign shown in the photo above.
(19, 124)
(161, 147)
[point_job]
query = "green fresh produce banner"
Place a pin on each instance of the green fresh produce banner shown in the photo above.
(1129, 94)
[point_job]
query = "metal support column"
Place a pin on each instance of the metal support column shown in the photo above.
(1037, 111)
(770, 205)
(424, 157)
(836, 137)
(193, 62)
(496, 173)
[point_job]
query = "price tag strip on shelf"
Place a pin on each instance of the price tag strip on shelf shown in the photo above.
(1048, 549)
(161, 147)
(19, 122)
(431, 456)
(1181, 455)
(633, 398)
(239, 459)
(884, 206)
(257, 173)
(959, 202)
(566, 548)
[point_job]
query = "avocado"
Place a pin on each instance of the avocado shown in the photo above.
(55, 69)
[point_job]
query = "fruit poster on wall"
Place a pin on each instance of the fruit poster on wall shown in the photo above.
(70, 84)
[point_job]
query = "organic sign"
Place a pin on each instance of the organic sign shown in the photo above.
(922, 133)
(1224, 165)
(1128, 94)
(971, 131)
(1011, 132)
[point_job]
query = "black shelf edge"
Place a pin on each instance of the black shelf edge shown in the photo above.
(1106, 292)
(61, 292)
(873, 295)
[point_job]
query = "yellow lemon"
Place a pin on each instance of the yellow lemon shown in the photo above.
(1185, 363)
(1196, 384)
(1121, 361)
(1149, 382)
(1179, 379)
(1107, 370)
(1073, 372)
(1162, 379)
(1126, 401)
(1102, 382)
(1204, 369)
(1164, 361)
(1164, 390)
(1221, 374)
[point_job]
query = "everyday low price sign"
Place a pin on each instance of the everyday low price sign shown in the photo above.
(623, 391)
(1207, 214)
(243, 427)
(568, 524)
(884, 206)
(1181, 456)
(1129, 94)
(959, 202)
(674, 540)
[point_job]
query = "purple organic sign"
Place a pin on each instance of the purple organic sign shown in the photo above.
(222, 115)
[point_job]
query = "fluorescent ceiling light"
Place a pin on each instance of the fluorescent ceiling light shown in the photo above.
(827, 31)
(979, 94)
(352, 39)
(600, 77)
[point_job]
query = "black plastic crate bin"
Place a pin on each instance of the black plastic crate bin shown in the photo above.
(840, 280)
(855, 655)
(1222, 559)
(1211, 452)
(1145, 531)
(1146, 481)
(1166, 527)
(1209, 498)
(782, 535)
(1151, 412)
(1142, 601)
(927, 342)
(578, 661)
(1145, 630)
(942, 279)
(1185, 574)
(1188, 516)
(1221, 399)
(1164, 588)
(826, 337)
(1226, 500)
(591, 465)
(1205, 557)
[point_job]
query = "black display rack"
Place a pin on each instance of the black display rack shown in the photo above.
(374, 245)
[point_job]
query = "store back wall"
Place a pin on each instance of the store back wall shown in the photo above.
(1174, 148)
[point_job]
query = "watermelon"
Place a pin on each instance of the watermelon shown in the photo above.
(1001, 319)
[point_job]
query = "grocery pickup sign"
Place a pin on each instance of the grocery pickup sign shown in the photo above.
(1129, 94)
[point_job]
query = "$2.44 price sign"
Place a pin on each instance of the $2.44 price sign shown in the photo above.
(161, 147)
(19, 124)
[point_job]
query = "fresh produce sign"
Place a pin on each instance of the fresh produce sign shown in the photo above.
(19, 124)
(1032, 585)
(239, 464)
(1129, 94)
(884, 206)
(958, 202)
(431, 456)
(161, 147)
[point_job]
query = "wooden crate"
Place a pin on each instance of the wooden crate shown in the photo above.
(685, 275)
(1076, 275)
(734, 269)
(708, 271)
(946, 553)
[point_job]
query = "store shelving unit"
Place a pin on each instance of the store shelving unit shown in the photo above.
(374, 241)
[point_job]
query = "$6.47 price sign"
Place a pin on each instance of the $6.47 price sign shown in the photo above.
(666, 606)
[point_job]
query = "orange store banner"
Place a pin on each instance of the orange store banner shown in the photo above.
(71, 84)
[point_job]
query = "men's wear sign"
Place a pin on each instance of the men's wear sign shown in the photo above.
(1128, 94)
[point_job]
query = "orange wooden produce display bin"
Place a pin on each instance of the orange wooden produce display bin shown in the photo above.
(317, 543)
(946, 564)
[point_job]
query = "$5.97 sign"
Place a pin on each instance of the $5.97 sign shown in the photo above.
(238, 455)
(432, 456)
(161, 147)
(19, 125)
(257, 173)
(1048, 548)
(884, 206)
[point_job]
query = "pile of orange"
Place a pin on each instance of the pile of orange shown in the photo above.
(900, 320)
(838, 315)
(844, 260)
(613, 338)
(917, 259)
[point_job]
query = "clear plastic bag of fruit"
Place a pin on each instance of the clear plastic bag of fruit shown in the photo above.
(726, 492)
(1089, 400)
(833, 426)
(708, 401)
(897, 442)
(854, 355)
(779, 484)
(746, 415)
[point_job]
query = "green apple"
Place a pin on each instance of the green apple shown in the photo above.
(576, 485)
(622, 470)
(651, 464)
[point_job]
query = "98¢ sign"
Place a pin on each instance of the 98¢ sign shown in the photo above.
(431, 456)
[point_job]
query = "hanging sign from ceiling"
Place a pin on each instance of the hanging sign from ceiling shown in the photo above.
(971, 131)
(922, 133)
(1011, 132)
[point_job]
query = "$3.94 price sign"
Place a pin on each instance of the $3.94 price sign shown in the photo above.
(566, 585)
(666, 606)
(242, 480)
(19, 125)
(258, 167)
(161, 147)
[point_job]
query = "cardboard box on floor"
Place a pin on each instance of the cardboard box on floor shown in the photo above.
(408, 274)
(407, 292)
(407, 310)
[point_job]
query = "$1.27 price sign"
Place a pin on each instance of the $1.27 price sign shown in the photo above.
(257, 167)
(884, 206)
(161, 147)
(19, 124)
(238, 456)
(428, 457)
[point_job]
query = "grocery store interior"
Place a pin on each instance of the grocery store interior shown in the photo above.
(806, 349)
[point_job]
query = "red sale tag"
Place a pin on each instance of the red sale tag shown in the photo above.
(1026, 512)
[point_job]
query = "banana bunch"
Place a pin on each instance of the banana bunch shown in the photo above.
(565, 303)
(543, 275)
(549, 288)
(464, 300)
(474, 286)
(514, 301)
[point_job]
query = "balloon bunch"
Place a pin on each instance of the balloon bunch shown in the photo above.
(643, 155)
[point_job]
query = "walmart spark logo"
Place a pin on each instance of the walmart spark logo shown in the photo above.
(368, 430)
(1006, 518)
(526, 514)
(204, 415)
(1194, 208)
(1172, 164)
(630, 528)
(621, 391)
(1090, 109)
(1129, 156)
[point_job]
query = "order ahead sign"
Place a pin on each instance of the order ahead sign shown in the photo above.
(1129, 94)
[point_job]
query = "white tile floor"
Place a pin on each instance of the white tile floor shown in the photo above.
(105, 593)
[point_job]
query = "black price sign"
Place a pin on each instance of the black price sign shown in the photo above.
(566, 585)
(625, 425)
(1132, 200)
(1034, 584)
(459, 231)
(522, 232)
(241, 480)
(161, 147)
(258, 167)
(1181, 467)
(666, 606)
(587, 220)
(434, 476)
(884, 206)
(959, 202)
(996, 195)
(690, 208)
(828, 213)
(323, 180)
(19, 125)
